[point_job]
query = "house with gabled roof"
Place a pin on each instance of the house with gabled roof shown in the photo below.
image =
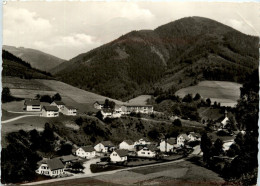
(168, 145)
(145, 109)
(104, 146)
(99, 105)
(127, 144)
(110, 113)
(32, 105)
(69, 110)
(119, 155)
(87, 152)
(50, 111)
(150, 151)
(68, 159)
(143, 141)
(51, 167)
(194, 136)
(58, 104)
(182, 139)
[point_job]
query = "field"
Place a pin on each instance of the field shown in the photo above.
(223, 92)
(24, 88)
(139, 100)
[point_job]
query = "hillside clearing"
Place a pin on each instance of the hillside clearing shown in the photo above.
(139, 100)
(224, 92)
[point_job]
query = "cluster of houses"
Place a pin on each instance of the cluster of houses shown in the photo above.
(51, 110)
(119, 110)
(140, 148)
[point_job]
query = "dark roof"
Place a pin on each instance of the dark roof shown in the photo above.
(152, 147)
(88, 148)
(107, 110)
(68, 158)
(197, 135)
(129, 142)
(55, 164)
(122, 152)
(107, 143)
(184, 136)
(171, 141)
(70, 107)
(51, 108)
(130, 105)
(59, 102)
(145, 139)
(32, 102)
(100, 102)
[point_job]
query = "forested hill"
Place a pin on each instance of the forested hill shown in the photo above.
(16, 67)
(37, 59)
(173, 56)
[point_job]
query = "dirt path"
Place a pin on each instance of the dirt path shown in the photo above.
(17, 118)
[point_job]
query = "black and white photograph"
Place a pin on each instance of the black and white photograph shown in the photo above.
(139, 93)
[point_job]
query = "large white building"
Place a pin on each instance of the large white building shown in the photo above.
(50, 111)
(104, 146)
(52, 167)
(119, 155)
(58, 104)
(127, 144)
(87, 152)
(69, 110)
(32, 105)
(145, 109)
(150, 151)
(167, 145)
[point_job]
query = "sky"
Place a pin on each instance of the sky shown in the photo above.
(67, 29)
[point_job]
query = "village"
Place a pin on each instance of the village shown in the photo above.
(105, 155)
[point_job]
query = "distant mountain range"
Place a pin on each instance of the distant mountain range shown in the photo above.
(16, 67)
(35, 58)
(172, 56)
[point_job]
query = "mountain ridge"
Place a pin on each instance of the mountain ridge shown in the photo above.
(175, 55)
(37, 59)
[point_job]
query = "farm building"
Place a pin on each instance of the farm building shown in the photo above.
(104, 146)
(51, 167)
(167, 145)
(109, 113)
(87, 152)
(32, 105)
(58, 104)
(182, 139)
(194, 136)
(127, 144)
(69, 110)
(119, 155)
(69, 159)
(99, 105)
(142, 141)
(150, 151)
(145, 109)
(50, 111)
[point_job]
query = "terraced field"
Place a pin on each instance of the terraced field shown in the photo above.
(224, 92)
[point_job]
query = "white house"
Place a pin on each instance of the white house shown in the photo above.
(127, 144)
(58, 104)
(52, 167)
(167, 145)
(225, 121)
(145, 109)
(150, 151)
(50, 111)
(182, 139)
(32, 105)
(142, 141)
(69, 110)
(87, 152)
(119, 155)
(104, 146)
(109, 113)
(99, 105)
(194, 136)
(227, 144)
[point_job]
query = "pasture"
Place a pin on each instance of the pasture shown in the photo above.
(139, 100)
(223, 92)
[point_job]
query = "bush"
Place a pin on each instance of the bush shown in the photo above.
(222, 133)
